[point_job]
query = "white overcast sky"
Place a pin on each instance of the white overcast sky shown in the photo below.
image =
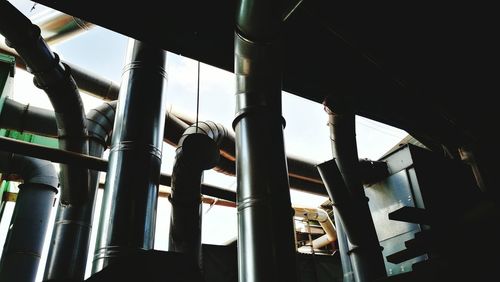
(306, 134)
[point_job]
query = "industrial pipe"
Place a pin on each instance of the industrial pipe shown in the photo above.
(128, 212)
(56, 27)
(68, 253)
(24, 243)
(27, 118)
(55, 79)
(324, 220)
(198, 151)
(266, 247)
(66, 157)
(342, 179)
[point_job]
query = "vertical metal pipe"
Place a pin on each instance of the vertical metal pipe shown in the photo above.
(24, 243)
(128, 212)
(348, 275)
(266, 246)
(68, 254)
(348, 194)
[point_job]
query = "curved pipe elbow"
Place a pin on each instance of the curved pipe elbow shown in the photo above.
(31, 170)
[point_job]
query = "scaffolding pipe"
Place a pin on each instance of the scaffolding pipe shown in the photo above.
(198, 151)
(128, 212)
(266, 247)
(24, 243)
(55, 79)
(68, 252)
(342, 179)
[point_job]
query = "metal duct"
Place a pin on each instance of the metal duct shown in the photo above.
(128, 212)
(198, 151)
(26, 118)
(67, 258)
(302, 174)
(266, 247)
(342, 179)
(24, 243)
(55, 79)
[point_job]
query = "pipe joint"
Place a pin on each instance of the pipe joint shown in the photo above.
(268, 111)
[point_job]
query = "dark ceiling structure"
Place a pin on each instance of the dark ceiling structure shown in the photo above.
(427, 68)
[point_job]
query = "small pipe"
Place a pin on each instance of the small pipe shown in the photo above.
(130, 199)
(24, 243)
(324, 220)
(198, 151)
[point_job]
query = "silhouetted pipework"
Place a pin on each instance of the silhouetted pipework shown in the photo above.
(24, 243)
(128, 211)
(266, 244)
(342, 179)
(68, 252)
(198, 151)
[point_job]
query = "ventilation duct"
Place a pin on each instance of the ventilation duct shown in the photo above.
(67, 258)
(129, 200)
(55, 79)
(266, 247)
(24, 243)
(342, 179)
(198, 151)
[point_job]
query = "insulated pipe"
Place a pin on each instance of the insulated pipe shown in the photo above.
(67, 257)
(198, 151)
(342, 179)
(266, 246)
(24, 243)
(128, 212)
(55, 79)
(324, 220)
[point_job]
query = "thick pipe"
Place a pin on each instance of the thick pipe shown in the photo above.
(24, 243)
(343, 182)
(128, 212)
(27, 118)
(55, 79)
(266, 247)
(198, 151)
(67, 257)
